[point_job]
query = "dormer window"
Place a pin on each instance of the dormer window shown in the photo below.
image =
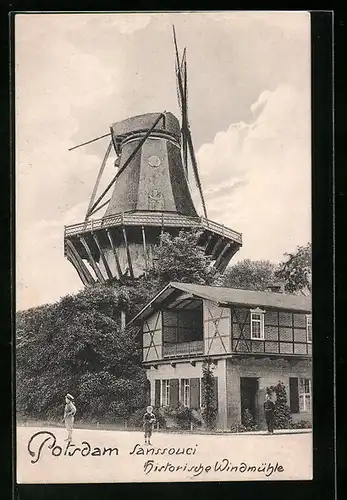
(257, 324)
(309, 328)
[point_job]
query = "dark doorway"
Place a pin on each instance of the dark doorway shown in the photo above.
(249, 388)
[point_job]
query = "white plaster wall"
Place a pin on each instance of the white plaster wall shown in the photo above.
(186, 370)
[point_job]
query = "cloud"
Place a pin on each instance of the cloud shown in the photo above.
(258, 175)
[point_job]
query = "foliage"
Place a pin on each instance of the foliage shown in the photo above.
(182, 416)
(250, 275)
(282, 416)
(138, 292)
(209, 408)
(76, 345)
(301, 424)
(180, 258)
(236, 428)
(248, 421)
(296, 270)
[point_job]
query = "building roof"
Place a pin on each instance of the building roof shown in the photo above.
(229, 296)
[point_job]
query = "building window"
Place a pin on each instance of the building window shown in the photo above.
(309, 328)
(257, 324)
(165, 393)
(305, 394)
(185, 391)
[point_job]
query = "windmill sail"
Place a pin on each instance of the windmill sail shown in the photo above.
(187, 141)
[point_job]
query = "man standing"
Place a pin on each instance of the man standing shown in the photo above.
(269, 407)
(69, 415)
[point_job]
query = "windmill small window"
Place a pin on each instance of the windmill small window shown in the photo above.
(257, 324)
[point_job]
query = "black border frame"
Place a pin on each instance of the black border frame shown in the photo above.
(323, 296)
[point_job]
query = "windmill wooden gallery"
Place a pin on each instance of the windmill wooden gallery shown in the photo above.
(254, 339)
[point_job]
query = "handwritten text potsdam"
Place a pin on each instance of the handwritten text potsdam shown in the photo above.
(44, 441)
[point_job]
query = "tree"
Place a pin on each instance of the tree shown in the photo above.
(180, 258)
(282, 416)
(295, 271)
(76, 345)
(209, 407)
(250, 275)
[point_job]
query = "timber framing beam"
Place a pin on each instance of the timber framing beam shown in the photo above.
(79, 261)
(92, 261)
(128, 253)
(104, 261)
(110, 239)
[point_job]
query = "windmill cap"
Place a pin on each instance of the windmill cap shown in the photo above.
(71, 398)
(144, 122)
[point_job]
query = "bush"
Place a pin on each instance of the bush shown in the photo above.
(183, 417)
(236, 427)
(248, 421)
(301, 424)
(247, 425)
(282, 416)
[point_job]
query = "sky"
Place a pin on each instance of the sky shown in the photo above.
(249, 112)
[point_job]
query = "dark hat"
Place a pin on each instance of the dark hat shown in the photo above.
(68, 396)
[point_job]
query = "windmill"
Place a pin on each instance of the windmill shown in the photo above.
(150, 194)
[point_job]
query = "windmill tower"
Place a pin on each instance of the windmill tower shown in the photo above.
(150, 194)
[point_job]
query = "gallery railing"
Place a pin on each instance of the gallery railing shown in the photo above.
(194, 347)
(161, 219)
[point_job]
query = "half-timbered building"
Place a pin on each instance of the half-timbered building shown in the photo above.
(253, 339)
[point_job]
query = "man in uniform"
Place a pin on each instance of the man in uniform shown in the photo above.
(269, 407)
